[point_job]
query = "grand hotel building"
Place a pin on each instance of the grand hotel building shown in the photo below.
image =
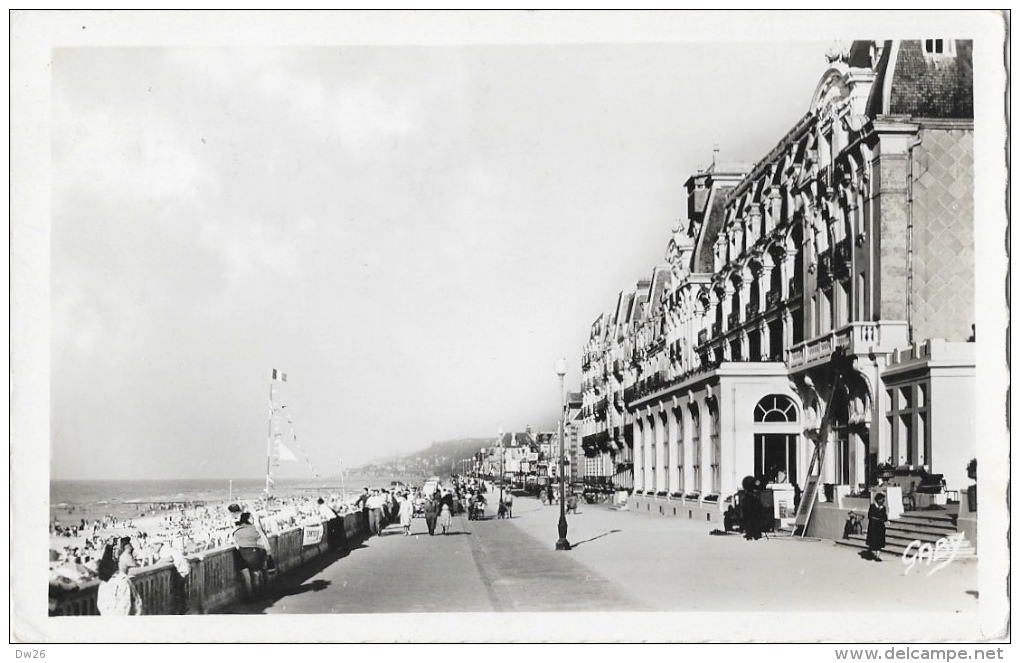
(855, 235)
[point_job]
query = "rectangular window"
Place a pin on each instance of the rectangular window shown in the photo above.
(890, 432)
(860, 297)
(844, 303)
(776, 340)
(797, 320)
(922, 447)
(906, 397)
(716, 459)
(933, 46)
(754, 346)
(828, 310)
(908, 443)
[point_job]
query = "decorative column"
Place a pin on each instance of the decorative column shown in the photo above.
(673, 460)
(684, 431)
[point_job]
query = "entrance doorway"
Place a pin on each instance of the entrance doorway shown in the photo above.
(776, 437)
(775, 457)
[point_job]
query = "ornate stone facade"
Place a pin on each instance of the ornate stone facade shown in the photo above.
(853, 234)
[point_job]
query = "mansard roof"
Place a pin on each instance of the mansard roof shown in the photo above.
(660, 279)
(522, 439)
(624, 308)
(910, 82)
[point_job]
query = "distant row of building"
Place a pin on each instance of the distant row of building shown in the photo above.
(825, 292)
(524, 457)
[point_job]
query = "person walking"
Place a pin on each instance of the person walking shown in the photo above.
(117, 594)
(445, 518)
(878, 515)
(508, 500)
(375, 512)
(431, 510)
(406, 513)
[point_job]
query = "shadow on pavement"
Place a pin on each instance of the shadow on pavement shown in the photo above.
(294, 582)
(313, 586)
(612, 531)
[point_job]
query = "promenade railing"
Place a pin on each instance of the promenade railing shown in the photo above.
(214, 582)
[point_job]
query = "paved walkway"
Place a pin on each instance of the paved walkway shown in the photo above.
(674, 564)
(621, 562)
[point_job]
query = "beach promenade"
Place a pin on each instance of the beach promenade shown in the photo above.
(620, 562)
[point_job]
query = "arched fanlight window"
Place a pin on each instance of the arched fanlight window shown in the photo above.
(775, 408)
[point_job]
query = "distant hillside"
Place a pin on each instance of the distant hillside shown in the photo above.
(439, 459)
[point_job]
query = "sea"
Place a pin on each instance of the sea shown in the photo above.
(70, 501)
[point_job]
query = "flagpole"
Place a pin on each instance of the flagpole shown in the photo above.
(269, 438)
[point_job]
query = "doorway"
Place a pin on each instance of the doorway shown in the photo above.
(776, 439)
(775, 457)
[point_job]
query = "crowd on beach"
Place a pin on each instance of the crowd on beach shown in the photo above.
(159, 534)
(108, 548)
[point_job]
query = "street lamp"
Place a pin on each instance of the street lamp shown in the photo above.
(562, 543)
(502, 454)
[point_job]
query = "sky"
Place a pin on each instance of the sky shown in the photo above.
(414, 234)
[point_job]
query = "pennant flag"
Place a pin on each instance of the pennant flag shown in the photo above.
(279, 376)
(284, 454)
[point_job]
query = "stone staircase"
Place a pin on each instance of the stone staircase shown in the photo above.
(923, 526)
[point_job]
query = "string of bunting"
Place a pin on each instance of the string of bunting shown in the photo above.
(293, 435)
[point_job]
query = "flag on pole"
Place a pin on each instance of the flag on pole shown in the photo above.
(283, 453)
(279, 376)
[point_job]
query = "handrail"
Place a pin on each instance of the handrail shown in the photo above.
(214, 582)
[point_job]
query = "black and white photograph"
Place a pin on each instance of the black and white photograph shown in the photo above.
(511, 327)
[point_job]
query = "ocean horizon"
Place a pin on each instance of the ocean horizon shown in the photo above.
(122, 497)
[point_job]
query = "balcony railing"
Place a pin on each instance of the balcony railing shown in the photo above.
(854, 338)
(772, 299)
(750, 310)
(843, 250)
(825, 267)
(716, 329)
(703, 337)
(733, 319)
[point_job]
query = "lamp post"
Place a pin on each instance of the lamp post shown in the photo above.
(562, 543)
(502, 454)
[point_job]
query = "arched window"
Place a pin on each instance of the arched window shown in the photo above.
(775, 408)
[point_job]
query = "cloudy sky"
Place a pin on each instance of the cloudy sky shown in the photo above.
(413, 233)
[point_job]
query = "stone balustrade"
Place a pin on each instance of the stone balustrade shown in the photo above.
(854, 338)
(215, 582)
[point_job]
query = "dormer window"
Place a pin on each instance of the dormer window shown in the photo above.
(938, 46)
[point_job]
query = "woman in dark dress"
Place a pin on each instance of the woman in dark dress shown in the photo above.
(878, 514)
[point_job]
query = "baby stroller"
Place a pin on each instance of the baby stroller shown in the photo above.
(477, 511)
